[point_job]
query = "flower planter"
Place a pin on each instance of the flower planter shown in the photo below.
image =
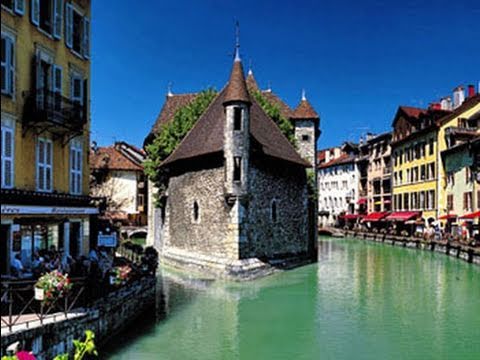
(39, 294)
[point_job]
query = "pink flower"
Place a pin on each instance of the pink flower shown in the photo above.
(23, 355)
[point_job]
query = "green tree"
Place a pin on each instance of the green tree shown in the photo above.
(273, 111)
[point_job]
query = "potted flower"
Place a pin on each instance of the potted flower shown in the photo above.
(51, 286)
(119, 275)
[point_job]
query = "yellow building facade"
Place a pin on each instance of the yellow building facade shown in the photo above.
(45, 127)
(418, 174)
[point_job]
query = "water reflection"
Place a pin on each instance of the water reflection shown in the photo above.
(362, 300)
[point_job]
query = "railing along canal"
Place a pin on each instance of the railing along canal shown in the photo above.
(19, 305)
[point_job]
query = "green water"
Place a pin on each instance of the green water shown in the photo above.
(361, 301)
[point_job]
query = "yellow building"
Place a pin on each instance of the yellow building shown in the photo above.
(45, 72)
(418, 175)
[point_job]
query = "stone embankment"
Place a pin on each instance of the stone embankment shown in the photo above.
(464, 252)
(106, 317)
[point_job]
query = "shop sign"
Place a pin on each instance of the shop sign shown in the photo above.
(46, 210)
(109, 240)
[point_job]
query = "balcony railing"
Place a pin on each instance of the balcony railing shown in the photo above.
(45, 108)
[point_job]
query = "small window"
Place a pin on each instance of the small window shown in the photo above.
(237, 168)
(305, 138)
(196, 212)
(237, 119)
(274, 215)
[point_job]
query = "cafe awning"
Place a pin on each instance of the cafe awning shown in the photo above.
(375, 216)
(472, 216)
(403, 215)
(448, 217)
(362, 201)
(350, 216)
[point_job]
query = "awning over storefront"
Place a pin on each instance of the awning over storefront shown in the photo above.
(350, 216)
(472, 216)
(375, 216)
(448, 217)
(46, 210)
(362, 201)
(403, 215)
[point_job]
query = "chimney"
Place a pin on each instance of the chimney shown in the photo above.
(458, 96)
(471, 90)
(446, 103)
(436, 106)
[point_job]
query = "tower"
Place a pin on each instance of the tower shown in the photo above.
(236, 130)
(307, 132)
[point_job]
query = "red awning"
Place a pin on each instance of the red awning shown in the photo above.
(362, 201)
(403, 215)
(350, 216)
(475, 215)
(448, 217)
(375, 216)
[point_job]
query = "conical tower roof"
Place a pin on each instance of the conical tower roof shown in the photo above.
(304, 110)
(236, 89)
(251, 82)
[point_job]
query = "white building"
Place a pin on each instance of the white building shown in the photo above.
(338, 181)
(117, 174)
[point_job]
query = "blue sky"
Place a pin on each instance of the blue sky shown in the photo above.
(357, 60)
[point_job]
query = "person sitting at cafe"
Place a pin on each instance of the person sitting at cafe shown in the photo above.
(16, 265)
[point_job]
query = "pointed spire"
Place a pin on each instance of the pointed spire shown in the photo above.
(237, 87)
(304, 110)
(169, 89)
(251, 82)
(237, 41)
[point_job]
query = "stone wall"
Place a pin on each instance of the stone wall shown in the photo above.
(105, 318)
(307, 147)
(288, 234)
(207, 234)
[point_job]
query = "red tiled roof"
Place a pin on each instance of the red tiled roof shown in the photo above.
(342, 159)
(304, 110)
(412, 111)
(206, 137)
(273, 98)
(110, 158)
(171, 105)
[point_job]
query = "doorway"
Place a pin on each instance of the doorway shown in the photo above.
(75, 234)
(5, 239)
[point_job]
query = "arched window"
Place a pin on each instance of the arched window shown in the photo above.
(196, 212)
(273, 213)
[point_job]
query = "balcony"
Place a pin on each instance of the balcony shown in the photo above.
(46, 110)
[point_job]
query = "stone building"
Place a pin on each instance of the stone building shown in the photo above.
(237, 194)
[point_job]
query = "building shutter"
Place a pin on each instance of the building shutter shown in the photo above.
(86, 38)
(76, 167)
(57, 18)
(7, 157)
(68, 25)
(57, 79)
(48, 165)
(35, 12)
(41, 164)
(7, 65)
(20, 7)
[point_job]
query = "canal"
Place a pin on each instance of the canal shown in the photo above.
(362, 300)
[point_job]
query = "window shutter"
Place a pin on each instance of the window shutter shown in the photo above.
(48, 165)
(57, 79)
(7, 157)
(20, 7)
(68, 25)
(86, 38)
(57, 18)
(11, 65)
(4, 64)
(35, 12)
(40, 164)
